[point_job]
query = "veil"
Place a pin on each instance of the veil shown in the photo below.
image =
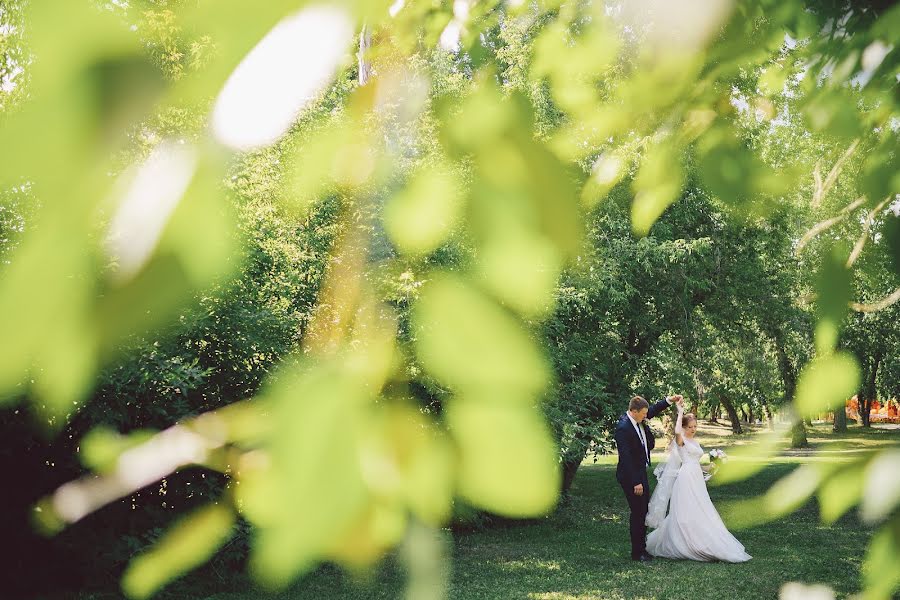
(665, 476)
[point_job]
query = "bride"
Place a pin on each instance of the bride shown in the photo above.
(693, 529)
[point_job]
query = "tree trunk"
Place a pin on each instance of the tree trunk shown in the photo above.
(869, 391)
(767, 410)
(732, 415)
(365, 67)
(570, 468)
(798, 435)
(789, 379)
(714, 414)
(865, 409)
(840, 419)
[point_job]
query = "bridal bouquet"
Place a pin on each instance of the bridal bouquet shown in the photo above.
(716, 456)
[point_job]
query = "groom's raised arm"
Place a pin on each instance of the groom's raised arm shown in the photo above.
(659, 407)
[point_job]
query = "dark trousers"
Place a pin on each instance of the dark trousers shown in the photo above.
(638, 506)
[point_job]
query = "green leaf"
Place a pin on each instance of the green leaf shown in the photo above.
(422, 216)
(187, 545)
(658, 184)
(827, 382)
(833, 284)
(744, 513)
(521, 269)
(880, 177)
(310, 489)
(771, 81)
(429, 481)
(488, 433)
(470, 343)
(608, 170)
(748, 460)
(882, 491)
(790, 492)
(840, 492)
(892, 238)
(835, 112)
(881, 569)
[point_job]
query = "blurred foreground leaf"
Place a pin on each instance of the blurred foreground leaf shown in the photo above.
(190, 543)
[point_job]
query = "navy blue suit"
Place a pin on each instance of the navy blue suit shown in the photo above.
(632, 470)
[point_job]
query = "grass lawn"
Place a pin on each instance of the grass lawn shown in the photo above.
(581, 552)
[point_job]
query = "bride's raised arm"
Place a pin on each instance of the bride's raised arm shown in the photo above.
(679, 430)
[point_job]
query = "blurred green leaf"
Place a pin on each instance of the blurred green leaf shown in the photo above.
(380, 528)
(310, 490)
(745, 461)
(328, 155)
(60, 354)
(521, 269)
(745, 513)
(732, 172)
(827, 382)
(187, 545)
(607, 171)
(881, 173)
(881, 568)
(771, 81)
(840, 492)
(833, 284)
(422, 216)
(792, 491)
(835, 112)
(429, 480)
(657, 185)
(488, 433)
(892, 238)
(470, 343)
(882, 486)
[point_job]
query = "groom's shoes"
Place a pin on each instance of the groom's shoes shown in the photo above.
(644, 557)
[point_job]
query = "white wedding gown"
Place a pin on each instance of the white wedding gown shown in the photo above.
(692, 530)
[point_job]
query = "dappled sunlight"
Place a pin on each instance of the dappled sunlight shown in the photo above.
(596, 595)
(530, 564)
(342, 293)
(147, 198)
(281, 75)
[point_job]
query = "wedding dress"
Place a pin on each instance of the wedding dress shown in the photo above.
(693, 529)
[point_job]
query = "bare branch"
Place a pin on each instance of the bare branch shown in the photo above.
(867, 225)
(365, 67)
(828, 223)
(819, 187)
(876, 306)
(822, 188)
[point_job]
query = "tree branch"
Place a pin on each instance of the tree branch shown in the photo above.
(822, 188)
(828, 223)
(876, 306)
(867, 225)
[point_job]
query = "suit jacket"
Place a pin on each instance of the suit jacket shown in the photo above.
(632, 467)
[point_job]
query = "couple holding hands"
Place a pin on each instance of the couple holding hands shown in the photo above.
(691, 529)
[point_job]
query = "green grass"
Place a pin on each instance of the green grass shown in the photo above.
(581, 552)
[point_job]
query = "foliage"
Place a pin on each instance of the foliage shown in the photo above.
(500, 147)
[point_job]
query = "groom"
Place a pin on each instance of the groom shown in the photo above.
(634, 441)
